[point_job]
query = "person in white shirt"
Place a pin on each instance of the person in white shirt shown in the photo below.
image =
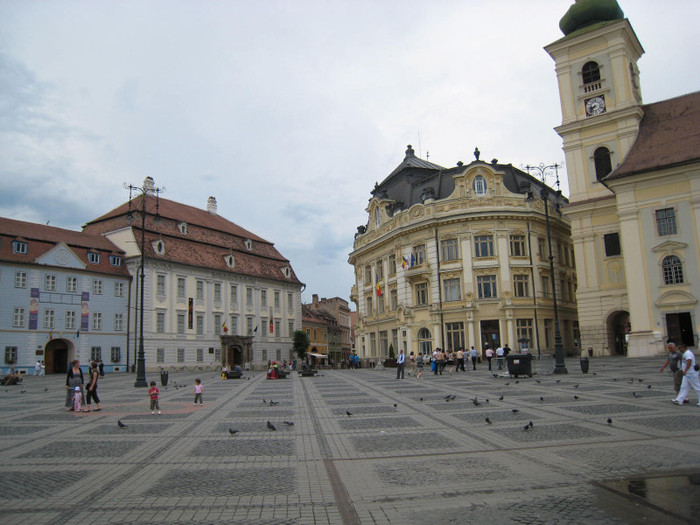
(499, 357)
(690, 376)
(400, 365)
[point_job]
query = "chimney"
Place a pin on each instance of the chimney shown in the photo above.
(314, 299)
(211, 205)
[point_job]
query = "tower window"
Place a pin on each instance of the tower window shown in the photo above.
(590, 72)
(480, 185)
(603, 164)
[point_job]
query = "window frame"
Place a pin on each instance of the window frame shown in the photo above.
(487, 286)
(483, 246)
(449, 249)
(666, 223)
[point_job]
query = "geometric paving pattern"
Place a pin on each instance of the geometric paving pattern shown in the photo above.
(423, 441)
(220, 482)
(28, 484)
(443, 471)
(84, 449)
(243, 447)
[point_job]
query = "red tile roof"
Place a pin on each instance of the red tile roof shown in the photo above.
(41, 239)
(208, 240)
(669, 135)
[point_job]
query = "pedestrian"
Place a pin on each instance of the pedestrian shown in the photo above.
(37, 368)
(460, 359)
(102, 368)
(198, 391)
(489, 355)
(690, 376)
(74, 378)
(77, 399)
(506, 350)
(43, 368)
(499, 357)
(153, 394)
(451, 361)
(440, 360)
(673, 361)
(92, 388)
(474, 354)
(433, 361)
(414, 365)
(400, 365)
(420, 363)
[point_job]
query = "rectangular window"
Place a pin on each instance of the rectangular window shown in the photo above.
(394, 300)
(666, 221)
(612, 244)
(290, 302)
(160, 355)
(368, 303)
(180, 355)
(96, 321)
(277, 300)
(548, 333)
(455, 335)
(10, 355)
(70, 320)
(234, 325)
(379, 269)
(419, 254)
(118, 322)
(116, 354)
(392, 264)
(517, 246)
(19, 247)
(451, 289)
(249, 297)
(200, 325)
(49, 282)
(118, 289)
(49, 319)
(263, 298)
(160, 322)
(249, 325)
(180, 287)
(200, 290)
(217, 324)
(421, 293)
(380, 305)
(384, 342)
(450, 250)
(95, 353)
(368, 274)
(523, 328)
(373, 344)
(234, 296)
(217, 292)
(290, 327)
(180, 323)
(486, 285)
(483, 246)
(277, 328)
(18, 318)
(160, 285)
(115, 260)
(97, 287)
(521, 285)
(545, 286)
(71, 284)
(20, 279)
(200, 355)
(93, 257)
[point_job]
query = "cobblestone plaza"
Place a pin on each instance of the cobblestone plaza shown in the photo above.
(405, 454)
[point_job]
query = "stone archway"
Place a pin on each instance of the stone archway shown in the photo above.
(236, 350)
(57, 354)
(618, 329)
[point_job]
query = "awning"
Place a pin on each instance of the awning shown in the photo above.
(317, 356)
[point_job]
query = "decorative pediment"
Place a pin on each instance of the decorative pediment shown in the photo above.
(669, 247)
(676, 298)
(60, 255)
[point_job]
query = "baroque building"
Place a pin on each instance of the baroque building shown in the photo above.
(634, 176)
(65, 296)
(458, 257)
(340, 345)
(214, 293)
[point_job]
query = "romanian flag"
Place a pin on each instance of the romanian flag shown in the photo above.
(224, 327)
(404, 263)
(272, 321)
(379, 288)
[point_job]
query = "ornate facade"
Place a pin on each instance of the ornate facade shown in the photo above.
(458, 256)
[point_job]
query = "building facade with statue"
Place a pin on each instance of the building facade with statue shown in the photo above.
(459, 257)
(214, 293)
(634, 177)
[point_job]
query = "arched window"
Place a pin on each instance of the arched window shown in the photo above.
(673, 270)
(603, 164)
(425, 341)
(590, 72)
(480, 185)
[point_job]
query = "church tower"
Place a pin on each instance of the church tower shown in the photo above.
(601, 103)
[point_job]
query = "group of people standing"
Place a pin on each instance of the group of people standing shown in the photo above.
(681, 362)
(440, 360)
(79, 396)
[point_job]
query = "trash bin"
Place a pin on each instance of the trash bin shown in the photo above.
(584, 365)
(519, 364)
(164, 378)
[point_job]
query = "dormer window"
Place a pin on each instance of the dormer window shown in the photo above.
(479, 185)
(159, 247)
(377, 216)
(93, 257)
(19, 247)
(286, 271)
(230, 261)
(182, 226)
(115, 260)
(248, 244)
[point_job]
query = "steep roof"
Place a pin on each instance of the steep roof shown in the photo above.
(208, 238)
(669, 135)
(41, 238)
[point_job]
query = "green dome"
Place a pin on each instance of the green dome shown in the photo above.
(586, 12)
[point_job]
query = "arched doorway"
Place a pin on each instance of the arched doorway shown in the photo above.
(57, 354)
(618, 330)
(425, 341)
(235, 356)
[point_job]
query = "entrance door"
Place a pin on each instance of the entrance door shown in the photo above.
(56, 357)
(490, 333)
(680, 329)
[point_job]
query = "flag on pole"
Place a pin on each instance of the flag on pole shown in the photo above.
(272, 320)
(77, 334)
(413, 260)
(404, 263)
(378, 287)
(224, 327)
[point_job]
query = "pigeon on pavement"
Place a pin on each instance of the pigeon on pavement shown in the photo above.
(271, 426)
(121, 425)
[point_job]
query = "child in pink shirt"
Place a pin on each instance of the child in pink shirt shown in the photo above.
(198, 391)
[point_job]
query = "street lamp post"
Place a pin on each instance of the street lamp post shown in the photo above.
(545, 192)
(148, 189)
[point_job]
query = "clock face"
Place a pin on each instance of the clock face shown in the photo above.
(595, 106)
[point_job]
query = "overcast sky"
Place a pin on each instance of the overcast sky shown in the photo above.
(289, 111)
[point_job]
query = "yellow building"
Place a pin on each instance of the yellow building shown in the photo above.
(634, 177)
(458, 257)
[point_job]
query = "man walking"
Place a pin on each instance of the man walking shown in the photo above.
(499, 356)
(673, 361)
(400, 365)
(690, 376)
(489, 356)
(474, 355)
